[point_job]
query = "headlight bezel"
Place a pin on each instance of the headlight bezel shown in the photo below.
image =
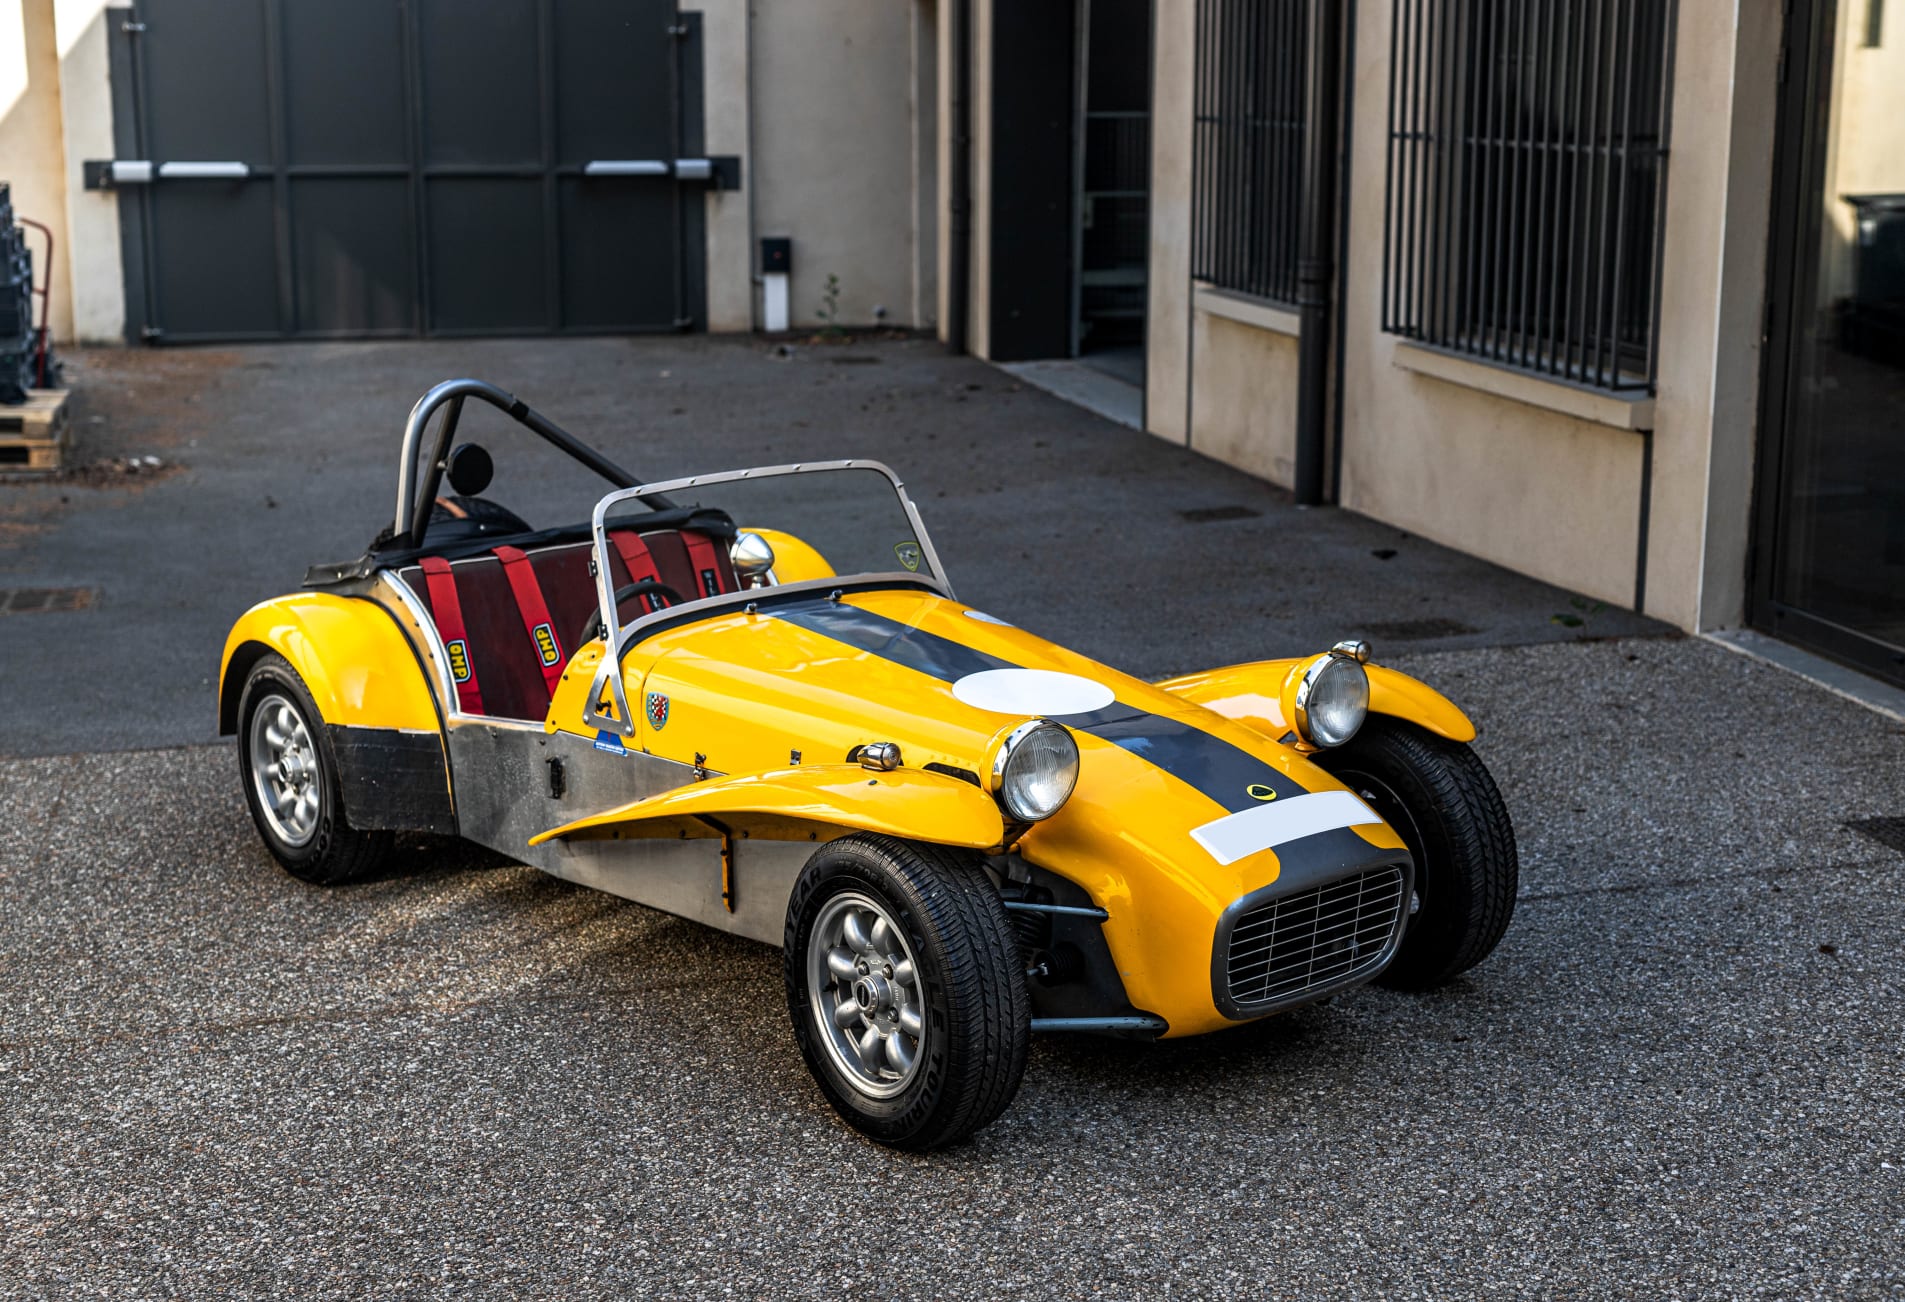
(1315, 677)
(1014, 746)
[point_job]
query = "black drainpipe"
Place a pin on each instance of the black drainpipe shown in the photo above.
(1313, 265)
(959, 180)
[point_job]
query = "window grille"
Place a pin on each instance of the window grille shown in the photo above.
(1247, 163)
(1527, 181)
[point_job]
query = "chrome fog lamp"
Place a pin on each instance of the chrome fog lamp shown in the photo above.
(1332, 699)
(1036, 770)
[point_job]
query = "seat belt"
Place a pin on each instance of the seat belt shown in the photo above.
(640, 566)
(535, 612)
(706, 561)
(447, 610)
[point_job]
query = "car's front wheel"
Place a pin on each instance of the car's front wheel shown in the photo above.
(906, 989)
(1438, 795)
(291, 781)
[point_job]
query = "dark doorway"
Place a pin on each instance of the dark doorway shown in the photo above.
(1112, 243)
(1830, 516)
(349, 168)
(1071, 169)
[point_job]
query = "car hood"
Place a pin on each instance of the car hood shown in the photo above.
(809, 681)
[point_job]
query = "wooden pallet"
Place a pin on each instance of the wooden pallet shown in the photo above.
(35, 434)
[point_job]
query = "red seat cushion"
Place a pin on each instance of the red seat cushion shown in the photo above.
(507, 664)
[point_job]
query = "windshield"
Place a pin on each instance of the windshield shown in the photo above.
(822, 523)
(816, 527)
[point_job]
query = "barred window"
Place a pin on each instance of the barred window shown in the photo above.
(1247, 164)
(1526, 182)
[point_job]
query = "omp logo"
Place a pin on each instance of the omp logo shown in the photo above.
(710, 584)
(546, 645)
(1257, 791)
(459, 660)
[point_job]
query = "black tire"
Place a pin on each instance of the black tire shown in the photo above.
(333, 851)
(1437, 793)
(970, 980)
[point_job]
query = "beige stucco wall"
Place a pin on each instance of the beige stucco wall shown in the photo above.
(32, 152)
(1540, 492)
(96, 286)
(979, 261)
(1711, 306)
(1167, 358)
(1518, 482)
(726, 119)
(836, 124)
(924, 106)
(1244, 379)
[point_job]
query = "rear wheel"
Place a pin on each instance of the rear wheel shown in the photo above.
(291, 781)
(906, 990)
(1439, 796)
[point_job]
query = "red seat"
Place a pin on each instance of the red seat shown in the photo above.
(506, 662)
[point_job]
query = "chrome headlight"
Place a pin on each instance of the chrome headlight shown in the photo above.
(1332, 700)
(1036, 770)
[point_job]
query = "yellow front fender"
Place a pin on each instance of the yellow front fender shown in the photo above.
(1252, 694)
(815, 803)
(350, 653)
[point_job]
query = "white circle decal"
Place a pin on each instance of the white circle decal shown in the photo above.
(1032, 691)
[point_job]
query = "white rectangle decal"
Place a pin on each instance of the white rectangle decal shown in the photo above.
(1279, 822)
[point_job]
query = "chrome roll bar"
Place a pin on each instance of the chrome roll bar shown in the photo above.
(413, 501)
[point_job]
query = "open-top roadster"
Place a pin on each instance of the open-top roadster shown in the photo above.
(751, 699)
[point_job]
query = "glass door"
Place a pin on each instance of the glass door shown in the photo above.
(1829, 567)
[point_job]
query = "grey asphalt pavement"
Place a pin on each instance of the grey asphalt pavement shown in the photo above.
(1678, 1077)
(282, 456)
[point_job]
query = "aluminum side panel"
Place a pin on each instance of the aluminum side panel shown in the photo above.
(503, 788)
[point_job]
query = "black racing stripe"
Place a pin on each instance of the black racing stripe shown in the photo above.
(1220, 770)
(889, 639)
(1226, 774)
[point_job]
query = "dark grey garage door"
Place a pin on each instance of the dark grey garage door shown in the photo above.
(337, 168)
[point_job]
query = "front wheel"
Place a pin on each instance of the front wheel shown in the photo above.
(1438, 795)
(906, 989)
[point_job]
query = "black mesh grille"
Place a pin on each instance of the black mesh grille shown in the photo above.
(1327, 937)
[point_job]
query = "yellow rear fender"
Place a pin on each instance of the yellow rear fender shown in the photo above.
(1253, 694)
(358, 665)
(815, 803)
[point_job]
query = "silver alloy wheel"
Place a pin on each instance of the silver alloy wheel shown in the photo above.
(284, 770)
(865, 992)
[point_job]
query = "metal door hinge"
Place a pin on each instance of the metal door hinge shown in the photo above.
(151, 332)
(132, 28)
(678, 30)
(684, 324)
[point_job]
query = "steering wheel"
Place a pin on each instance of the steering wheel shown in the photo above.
(641, 587)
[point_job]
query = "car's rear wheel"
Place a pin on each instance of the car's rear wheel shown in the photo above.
(1439, 796)
(291, 781)
(906, 989)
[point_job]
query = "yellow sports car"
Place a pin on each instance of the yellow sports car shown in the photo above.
(751, 699)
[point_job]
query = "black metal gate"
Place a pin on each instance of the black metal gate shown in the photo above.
(354, 168)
